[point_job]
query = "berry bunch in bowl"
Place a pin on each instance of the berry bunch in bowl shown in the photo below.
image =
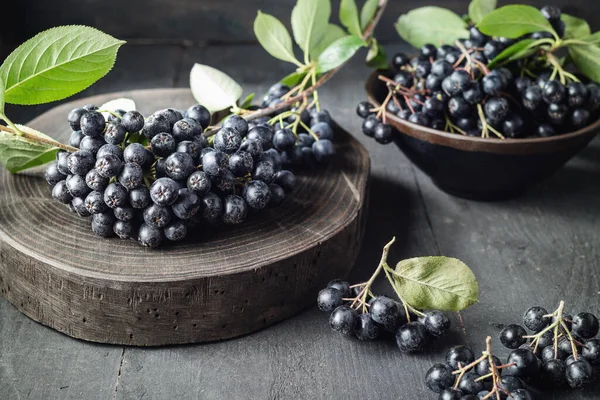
(492, 79)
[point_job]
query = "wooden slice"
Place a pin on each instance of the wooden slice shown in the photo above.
(219, 284)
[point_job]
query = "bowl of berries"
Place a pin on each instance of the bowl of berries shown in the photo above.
(497, 110)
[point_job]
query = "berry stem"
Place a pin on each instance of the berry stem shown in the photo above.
(388, 273)
(13, 130)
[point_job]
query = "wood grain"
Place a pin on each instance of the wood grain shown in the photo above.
(220, 284)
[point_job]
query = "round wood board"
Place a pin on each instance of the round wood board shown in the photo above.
(216, 285)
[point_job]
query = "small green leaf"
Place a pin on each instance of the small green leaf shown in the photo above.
(514, 21)
(513, 52)
(349, 16)
(310, 19)
(480, 8)
(376, 57)
(368, 12)
(274, 38)
(57, 63)
(587, 60)
(431, 25)
(332, 33)
(338, 53)
(214, 89)
(594, 38)
(440, 283)
(575, 28)
(18, 154)
(293, 79)
(117, 104)
(1, 97)
(247, 102)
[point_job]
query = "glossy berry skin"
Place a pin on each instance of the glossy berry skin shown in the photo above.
(459, 355)
(551, 13)
(257, 194)
(78, 206)
(262, 133)
(124, 229)
(548, 354)
(513, 126)
(526, 363)
(74, 118)
(164, 191)
(577, 94)
(94, 202)
(404, 79)
(520, 394)
(384, 311)
(135, 153)
(186, 205)
(469, 385)
(77, 186)
(492, 85)
(132, 121)
(171, 115)
(363, 109)
(80, 162)
(149, 236)
(115, 195)
(108, 166)
(241, 163)
(451, 394)
(399, 60)
(124, 213)
(156, 124)
(110, 149)
(384, 134)
(175, 231)
(591, 351)
(436, 323)
(139, 197)
(459, 108)
(61, 193)
(215, 163)
(579, 373)
(512, 336)
(496, 108)
(366, 328)
(235, 210)
(554, 371)
(554, 92)
(179, 166)
(511, 383)
(369, 125)
(343, 320)
(317, 116)
(439, 377)
(483, 367)
(546, 130)
(199, 182)
(579, 117)
(163, 144)
(75, 138)
(92, 124)
(441, 68)
(329, 299)
(286, 179)
(236, 123)
(277, 195)
(412, 337)
(532, 98)
(323, 150)
(212, 208)
(492, 49)
(200, 114)
(585, 325)
(105, 231)
(157, 216)
(189, 147)
(53, 175)
(284, 139)
(186, 129)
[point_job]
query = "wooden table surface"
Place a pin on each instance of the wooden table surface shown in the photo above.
(534, 250)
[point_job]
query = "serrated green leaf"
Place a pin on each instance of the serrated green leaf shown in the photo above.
(440, 283)
(575, 28)
(274, 38)
(480, 8)
(293, 79)
(247, 102)
(377, 58)
(514, 21)
(214, 89)
(349, 16)
(310, 19)
(368, 12)
(18, 154)
(57, 63)
(594, 38)
(513, 52)
(433, 25)
(587, 60)
(338, 53)
(332, 33)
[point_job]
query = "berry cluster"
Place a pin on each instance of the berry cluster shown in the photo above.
(462, 377)
(452, 88)
(355, 310)
(564, 347)
(157, 177)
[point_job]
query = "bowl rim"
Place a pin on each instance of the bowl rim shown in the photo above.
(471, 143)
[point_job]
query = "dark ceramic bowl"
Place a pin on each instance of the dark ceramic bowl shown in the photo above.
(477, 168)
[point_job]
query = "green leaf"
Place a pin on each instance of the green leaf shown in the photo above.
(214, 89)
(368, 12)
(338, 53)
(513, 52)
(1, 97)
(575, 28)
(332, 33)
(514, 21)
(349, 16)
(440, 283)
(431, 25)
(310, 19)
(594, 38)
(587, 60)
(293, 79)
(247, 102)
(480, 8)
(376, 58)
(18, 154)
(274, 38)
(57, 63)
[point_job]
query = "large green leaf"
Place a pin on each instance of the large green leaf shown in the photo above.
(310, 19)
(18, 153)
(332, 33)
(214, 89)
(274, 38)
(368, 12)
(57, 63)
(480, 8)
(349, 16)
(431, 25)
(513, 52)
(587, 60)
(594, 38)
(514, 21)
(575, 28)
(338, 53)
(440, 283)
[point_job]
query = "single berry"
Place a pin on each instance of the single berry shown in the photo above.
(149, 236)
(157, 216)
(77, 186)
(135, 153)
(554, 371)
(436, 323)
(74, 118)
(186, 205)
(163, 144)
(235, 210)
(483, 367)
(92, 124)
(53, 175)
(61, 193)
(139, 197)
(585, 325)
(369, 125)
(175, 231)
(469, 383)
(525, 363)
(94, 202)
(580, 117)
(108, 166)
(591, 351)
(115, 195)
(384, 134)
(439, 377)
(344, 320)
(512, 336)
(124, 213)
(366, 328)
(164, 191)
(186, 129)
(579, 373)
(459, 355)
(200, 114)
(554, 92)
(323, 150)
(329, 299)
(156, 124)
(257, 194)
(132, 121)
(385, 311)
(75, 138)
(451, 394)
(363, 109)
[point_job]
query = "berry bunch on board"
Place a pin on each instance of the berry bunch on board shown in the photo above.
(489, 86)
(356, 311)
(158, 177)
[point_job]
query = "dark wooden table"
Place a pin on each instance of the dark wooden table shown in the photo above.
(534, 250)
